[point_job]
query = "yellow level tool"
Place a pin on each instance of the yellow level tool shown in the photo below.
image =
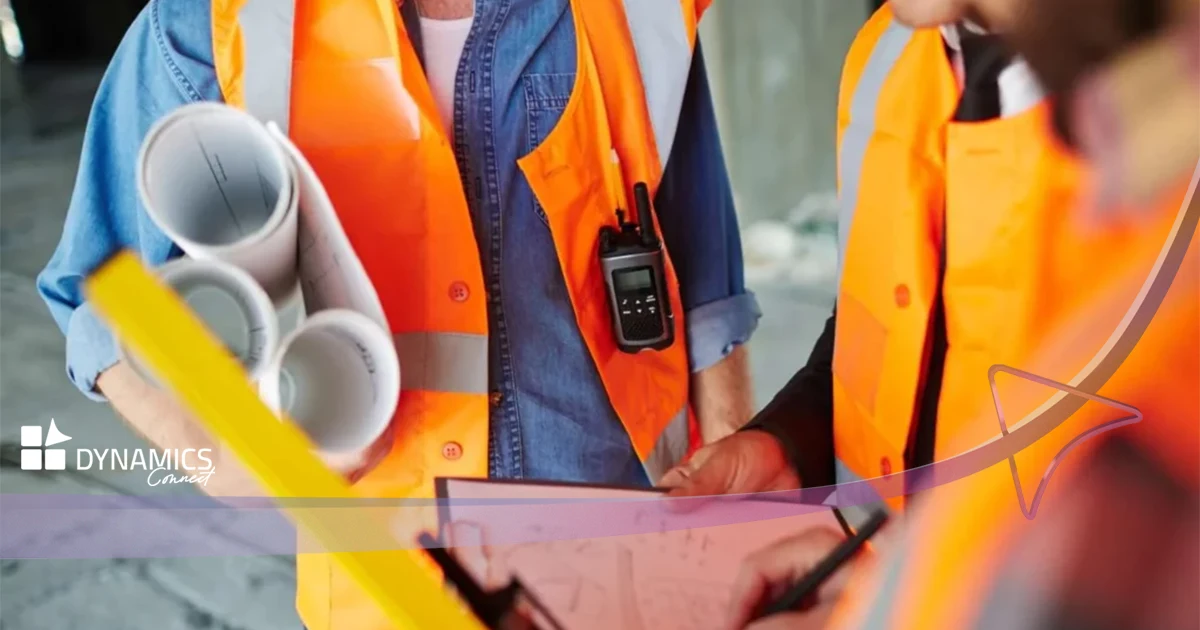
(168, 338)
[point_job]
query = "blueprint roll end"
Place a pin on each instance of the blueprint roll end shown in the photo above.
(337, 377)
(232, 306)
(215, 182)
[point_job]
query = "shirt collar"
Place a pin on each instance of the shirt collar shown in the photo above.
(1019, 88)
(950, 33)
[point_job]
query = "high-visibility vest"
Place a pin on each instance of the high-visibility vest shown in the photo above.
(957, 552)
(982, 211)
(344, 80)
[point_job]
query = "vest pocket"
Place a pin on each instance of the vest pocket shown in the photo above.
(546, 98)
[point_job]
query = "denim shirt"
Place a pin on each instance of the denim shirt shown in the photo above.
(550, 416)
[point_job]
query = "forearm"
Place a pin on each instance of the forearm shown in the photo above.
(800, 416)
(722, 396)
(156, 415)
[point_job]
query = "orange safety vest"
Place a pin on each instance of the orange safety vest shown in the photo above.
(997, 198)
(343, 79)
(958, 547)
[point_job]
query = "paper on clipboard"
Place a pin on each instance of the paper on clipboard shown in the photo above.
(660, 578)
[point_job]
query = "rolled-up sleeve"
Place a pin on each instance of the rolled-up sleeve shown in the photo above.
(699, 224)
(152, 73)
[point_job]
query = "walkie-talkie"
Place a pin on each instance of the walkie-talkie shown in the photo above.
(634, 270)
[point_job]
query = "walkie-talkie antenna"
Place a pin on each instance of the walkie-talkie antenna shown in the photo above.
(641, 198)
(615, 183)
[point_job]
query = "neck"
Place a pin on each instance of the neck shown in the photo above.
(445, 9)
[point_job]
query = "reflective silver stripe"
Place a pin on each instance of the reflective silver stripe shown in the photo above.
(857, 136)
(443, 362)
(671, 447)
(267, 31)
(879, 612)
(1013, 602)
(664, 54)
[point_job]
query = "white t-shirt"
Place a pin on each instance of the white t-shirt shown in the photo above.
(443, 42)
(1019, 88)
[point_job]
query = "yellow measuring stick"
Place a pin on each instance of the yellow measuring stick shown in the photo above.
(164, 334)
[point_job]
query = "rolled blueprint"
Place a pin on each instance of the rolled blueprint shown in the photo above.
(338, 378)
(331, 274)
(232, 306)
(218, 185)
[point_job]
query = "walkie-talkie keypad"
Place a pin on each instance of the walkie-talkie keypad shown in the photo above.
(640, 317)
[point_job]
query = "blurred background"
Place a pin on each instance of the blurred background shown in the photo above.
(774, 65)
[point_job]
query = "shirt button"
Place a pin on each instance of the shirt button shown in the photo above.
(885, 466)
(903, 296)
(496, 398)
(452, 450)
(459, 292)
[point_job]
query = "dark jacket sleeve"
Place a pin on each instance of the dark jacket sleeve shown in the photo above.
(801, 414)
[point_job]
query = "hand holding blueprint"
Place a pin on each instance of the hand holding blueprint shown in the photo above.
(653, 570)
(228, 189)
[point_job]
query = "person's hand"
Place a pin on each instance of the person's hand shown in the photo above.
(745, 462)
(767, 574)
(816, 618)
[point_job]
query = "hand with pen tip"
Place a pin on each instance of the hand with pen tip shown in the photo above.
(767, 575)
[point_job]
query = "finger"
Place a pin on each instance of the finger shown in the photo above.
(794, 621)
(750, 590)
(697, 471)
(675, 477)
(774, 567)
(705, 478)
(787, 479)
(683, 483)
(680, 474)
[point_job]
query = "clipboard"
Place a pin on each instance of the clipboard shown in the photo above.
(599, 556)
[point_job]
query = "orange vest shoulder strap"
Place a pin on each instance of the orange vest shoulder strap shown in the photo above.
(862, 49)
(252, 55)
(869, 78)
(647, 46)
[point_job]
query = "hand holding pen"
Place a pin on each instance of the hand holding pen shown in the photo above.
(800, 573)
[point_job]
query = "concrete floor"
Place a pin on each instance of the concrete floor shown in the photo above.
(38, 153)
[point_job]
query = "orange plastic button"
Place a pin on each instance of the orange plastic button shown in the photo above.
(459, 292)
(903, 297)
(452, 450)
(885, 466)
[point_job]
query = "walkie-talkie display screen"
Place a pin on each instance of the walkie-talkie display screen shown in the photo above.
(634, 280)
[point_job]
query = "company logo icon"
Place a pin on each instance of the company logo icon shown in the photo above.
(36, 454)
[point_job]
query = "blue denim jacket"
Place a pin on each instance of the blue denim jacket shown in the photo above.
(553, 419)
